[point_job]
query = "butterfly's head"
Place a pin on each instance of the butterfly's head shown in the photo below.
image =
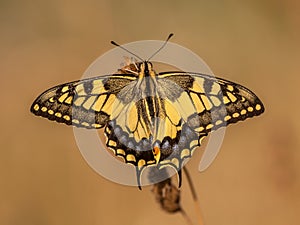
(143, 68)
(146, 69)
(146, 66)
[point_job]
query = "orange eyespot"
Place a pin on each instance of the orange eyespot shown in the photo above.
(156, 150)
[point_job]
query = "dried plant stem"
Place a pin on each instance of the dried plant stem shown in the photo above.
(195, 198)
(186, 217)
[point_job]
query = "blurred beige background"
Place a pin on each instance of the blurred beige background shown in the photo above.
(255, 178)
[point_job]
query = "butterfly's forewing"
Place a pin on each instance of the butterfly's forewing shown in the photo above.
(218, 102)
(86, 103)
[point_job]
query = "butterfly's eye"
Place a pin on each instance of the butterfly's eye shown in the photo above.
(150, 65)
(142, 66)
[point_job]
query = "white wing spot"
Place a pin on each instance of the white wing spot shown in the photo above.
(66, 117)
(58, 114)
(64, 89)
(227, 118)
(243, 112)
(235, 115)
(130, 157)
(112, 143)
(96, 125)
(120, 152)
(231, 97)
(85, 124)
(75, 121)
(258, 107)
(51, 99)
(141, 163)
(185, 153)
(209, 126)
(199, 129)
(36, 107)
(63, 97)
(69, 100)
(218, 122)
(230, 87)
(226, 100)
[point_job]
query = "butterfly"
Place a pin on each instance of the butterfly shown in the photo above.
(150, 118)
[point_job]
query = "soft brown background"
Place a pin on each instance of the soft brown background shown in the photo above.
(44, 179)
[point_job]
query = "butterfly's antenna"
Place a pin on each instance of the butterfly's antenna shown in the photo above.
(170, 35)
(116, 44)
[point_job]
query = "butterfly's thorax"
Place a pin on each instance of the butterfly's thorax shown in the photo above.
(147, 80)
